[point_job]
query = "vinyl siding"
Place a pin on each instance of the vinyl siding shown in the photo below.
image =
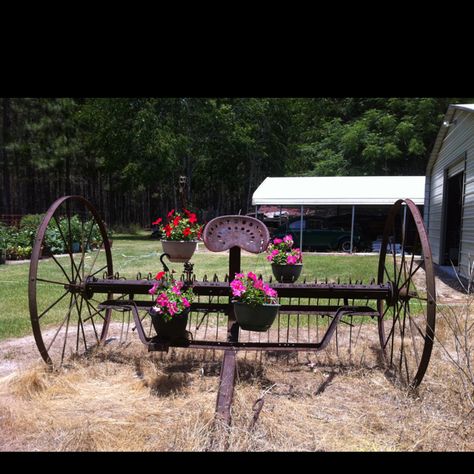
(459, 142)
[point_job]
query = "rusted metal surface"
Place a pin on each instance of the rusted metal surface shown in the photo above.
(234, 267)
(394, 295)
(72, 280)
(314, 290)
(226, 387)
(407, 331)
(225, 232)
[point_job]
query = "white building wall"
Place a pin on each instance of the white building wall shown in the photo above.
(458, 144)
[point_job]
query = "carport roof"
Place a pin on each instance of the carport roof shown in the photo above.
(339, 190)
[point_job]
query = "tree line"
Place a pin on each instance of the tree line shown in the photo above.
(126, 155)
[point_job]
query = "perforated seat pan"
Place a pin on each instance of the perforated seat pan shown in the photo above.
(225, 232)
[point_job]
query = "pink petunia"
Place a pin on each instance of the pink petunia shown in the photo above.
(269, 291)
(258, 284)
(288, 239)
(172, 308)
(237, 287)
(252, 276)
(186, 303)
(277, 241)
(152, 290)
(162, 299)
(291, 259)
(270, 258)
(275, 252)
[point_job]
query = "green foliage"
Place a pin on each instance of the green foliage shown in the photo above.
(31, 221)
(19, 242)
(18, 252)
(136, 148)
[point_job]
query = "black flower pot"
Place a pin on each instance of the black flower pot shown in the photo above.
(287, 273)
(173, 330)
(255, 318)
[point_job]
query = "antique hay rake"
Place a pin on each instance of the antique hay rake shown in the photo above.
(71, 301)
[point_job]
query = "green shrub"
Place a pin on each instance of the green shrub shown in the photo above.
(19, 252)
(31, 221)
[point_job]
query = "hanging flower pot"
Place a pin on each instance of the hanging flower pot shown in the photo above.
(179, 250)
(171, 330)
(287, 273)
(179, 235)
(255, 302)
(287, 262)
(169, 315)
(255, 318)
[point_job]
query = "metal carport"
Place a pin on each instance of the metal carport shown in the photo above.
(338, 190)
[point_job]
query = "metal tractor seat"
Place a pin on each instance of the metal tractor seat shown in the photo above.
(225, 232)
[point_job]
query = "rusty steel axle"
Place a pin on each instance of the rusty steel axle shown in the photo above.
(382, 291)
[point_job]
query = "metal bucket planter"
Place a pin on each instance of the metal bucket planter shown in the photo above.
(287, 273)
(173, 330)
(255, 318)
(179, 250)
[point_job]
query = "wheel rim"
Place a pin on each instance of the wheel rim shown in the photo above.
(407, 323)
(346, 246)
(66, 320)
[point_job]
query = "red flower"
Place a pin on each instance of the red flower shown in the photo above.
(157, 221)
(192, 218)
(186, 231)
(167, 230)
(176, 220)
(199, 232)
(170, 213)
(188, 213)
(160, 275)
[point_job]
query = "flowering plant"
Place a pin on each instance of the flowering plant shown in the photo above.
(179, 226)
(251, 290)
(283, 253)
(170, 297)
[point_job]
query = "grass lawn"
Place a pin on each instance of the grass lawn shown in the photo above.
(138, 253)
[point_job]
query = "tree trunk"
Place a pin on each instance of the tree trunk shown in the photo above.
(5, 140)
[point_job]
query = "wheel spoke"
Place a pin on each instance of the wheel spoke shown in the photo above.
(51, 281)
(62, 324)
(99, 270)
(415, 348)
(84, 247)
(67, 330)
(61, 267)
(409, 278)
(52, 305)
(95, 258)
(96, 311)
(73, 264)
(403, 356)
(79, 323)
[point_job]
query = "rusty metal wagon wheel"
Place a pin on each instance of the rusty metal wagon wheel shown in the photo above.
(407, 322)
(71, 245)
